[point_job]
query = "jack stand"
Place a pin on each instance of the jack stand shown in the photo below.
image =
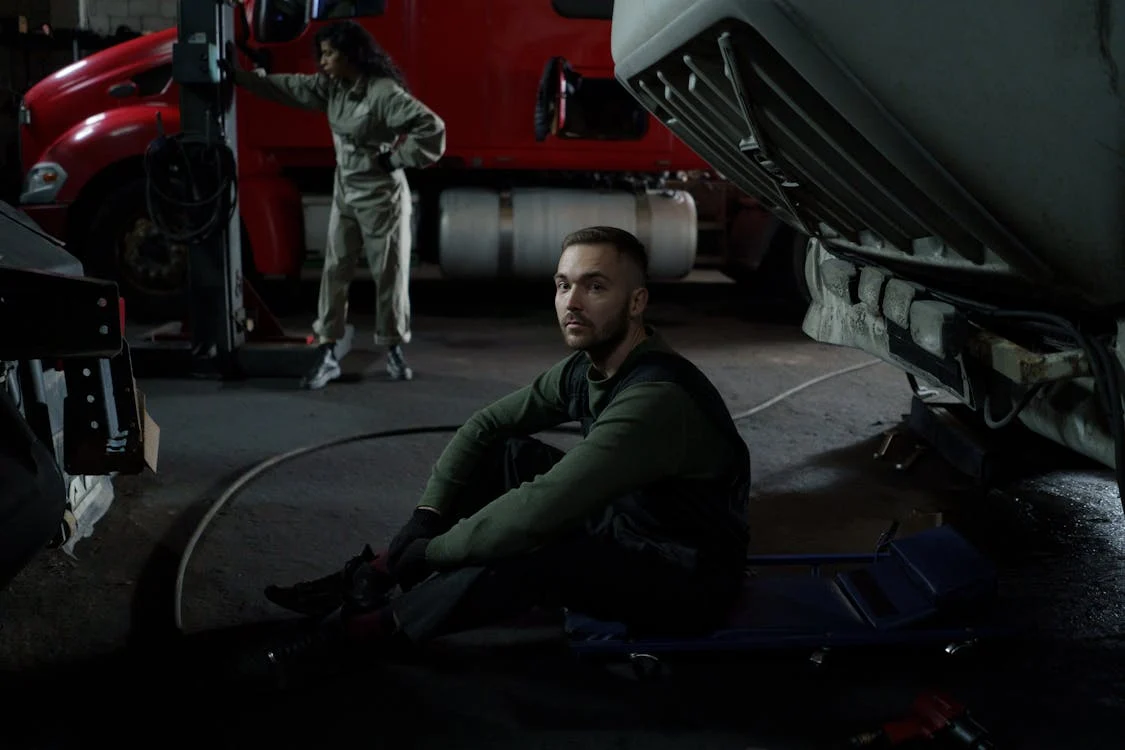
(969, 450)
(946, 430)
(906, 463)
(889, 437)
(231, 333)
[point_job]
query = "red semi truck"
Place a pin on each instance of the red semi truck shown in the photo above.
(541, 138)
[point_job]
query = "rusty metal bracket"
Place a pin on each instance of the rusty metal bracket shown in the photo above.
(1026, 367)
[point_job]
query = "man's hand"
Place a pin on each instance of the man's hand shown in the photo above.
(425, 523)
(411, 567)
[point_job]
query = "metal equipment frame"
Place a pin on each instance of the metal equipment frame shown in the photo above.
(74, 324)
(230, 332)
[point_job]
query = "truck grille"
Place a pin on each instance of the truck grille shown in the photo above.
(739, 103)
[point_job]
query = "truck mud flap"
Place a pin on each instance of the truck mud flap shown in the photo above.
(101, 416)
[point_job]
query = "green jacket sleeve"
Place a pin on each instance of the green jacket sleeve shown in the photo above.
(300, 90)
(423, 131)
(639, 438)
(530, 409)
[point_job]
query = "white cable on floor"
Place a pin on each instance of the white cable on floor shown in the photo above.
(797, 389)
(260, 468)
(257, 470)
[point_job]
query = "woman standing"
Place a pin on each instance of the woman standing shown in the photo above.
(378, 128)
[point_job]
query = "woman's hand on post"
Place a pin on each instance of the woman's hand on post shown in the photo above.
(234, 65)
(230, 59)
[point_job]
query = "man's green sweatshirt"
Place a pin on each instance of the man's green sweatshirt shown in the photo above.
(649, 432)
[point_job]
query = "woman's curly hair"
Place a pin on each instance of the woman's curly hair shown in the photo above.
(360, 49)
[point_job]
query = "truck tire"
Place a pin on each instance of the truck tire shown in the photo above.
(124, 246)
(783, 269)
(780, 277)
(799, 253)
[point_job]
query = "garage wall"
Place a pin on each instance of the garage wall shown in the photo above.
(104, 16)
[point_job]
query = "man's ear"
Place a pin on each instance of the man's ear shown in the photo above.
(638, 302)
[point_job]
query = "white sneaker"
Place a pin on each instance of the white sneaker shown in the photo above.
(324, 372)
(396, 364)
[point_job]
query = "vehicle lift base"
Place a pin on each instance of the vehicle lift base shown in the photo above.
(167, 351)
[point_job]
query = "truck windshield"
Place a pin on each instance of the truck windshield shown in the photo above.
(347, 8)
(601, 10)
(284, 20)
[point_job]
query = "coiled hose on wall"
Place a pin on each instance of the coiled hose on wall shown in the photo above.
(276, 460)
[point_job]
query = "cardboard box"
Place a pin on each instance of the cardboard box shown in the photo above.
(150, 431)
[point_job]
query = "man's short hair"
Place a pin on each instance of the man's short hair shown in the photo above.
(624, 242)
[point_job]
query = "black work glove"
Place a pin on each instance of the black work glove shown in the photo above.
(423, 524)
(384, 162)
(411, 567)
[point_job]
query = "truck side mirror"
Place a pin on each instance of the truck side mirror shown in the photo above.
(572, 106)
(550, 105)
(563, 91)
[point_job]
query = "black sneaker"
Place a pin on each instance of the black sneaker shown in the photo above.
(396, 364)
(367, 590)
(359, 585)
(324, 371)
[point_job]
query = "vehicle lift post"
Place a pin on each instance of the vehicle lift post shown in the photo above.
(221, 337)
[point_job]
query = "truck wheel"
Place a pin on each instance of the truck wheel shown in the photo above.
(781, 275)
(783, 269)
(799, 254)
(125, 246)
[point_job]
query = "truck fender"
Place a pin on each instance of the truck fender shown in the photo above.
(270, 206)
(273, 216)
(105, 139)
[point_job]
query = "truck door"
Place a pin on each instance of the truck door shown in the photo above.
(449, 71)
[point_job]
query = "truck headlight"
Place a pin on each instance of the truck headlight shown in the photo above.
(43, 182)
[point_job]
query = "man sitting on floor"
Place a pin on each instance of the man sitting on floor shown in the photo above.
(643, 522)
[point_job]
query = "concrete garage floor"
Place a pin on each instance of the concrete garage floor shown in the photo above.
(1057, 538)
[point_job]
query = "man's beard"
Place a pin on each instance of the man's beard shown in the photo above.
(605, 339)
